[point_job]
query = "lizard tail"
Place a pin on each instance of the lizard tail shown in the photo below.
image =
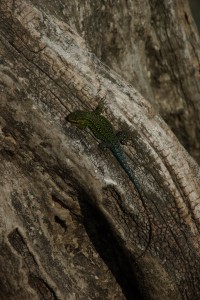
(119, 155)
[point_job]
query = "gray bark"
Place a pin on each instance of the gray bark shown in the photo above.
(155, 46)
(72, 225)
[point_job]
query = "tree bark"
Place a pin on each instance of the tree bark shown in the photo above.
(72, 225)
(155, 46)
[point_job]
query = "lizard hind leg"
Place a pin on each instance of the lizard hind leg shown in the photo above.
(104, 145)
(122, 137)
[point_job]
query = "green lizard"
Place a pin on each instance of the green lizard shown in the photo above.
(104, 131)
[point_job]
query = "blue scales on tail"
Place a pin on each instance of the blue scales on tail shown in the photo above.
(104, 131)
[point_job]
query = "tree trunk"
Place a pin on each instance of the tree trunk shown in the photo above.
(72, 224)
(155, 46)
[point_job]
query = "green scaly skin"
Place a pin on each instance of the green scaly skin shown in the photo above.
(104, 131)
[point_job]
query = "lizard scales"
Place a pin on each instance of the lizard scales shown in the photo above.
(104, 131)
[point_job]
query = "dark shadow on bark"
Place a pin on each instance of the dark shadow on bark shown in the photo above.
(107, 246)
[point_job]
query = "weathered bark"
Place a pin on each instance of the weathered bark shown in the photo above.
(155, 46)
(72, 225)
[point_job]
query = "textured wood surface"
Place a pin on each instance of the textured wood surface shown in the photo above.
(71, 223)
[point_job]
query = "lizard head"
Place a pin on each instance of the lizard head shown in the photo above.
(74, 117)
(78, 118)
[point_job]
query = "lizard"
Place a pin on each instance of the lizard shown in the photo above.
(103, 130)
